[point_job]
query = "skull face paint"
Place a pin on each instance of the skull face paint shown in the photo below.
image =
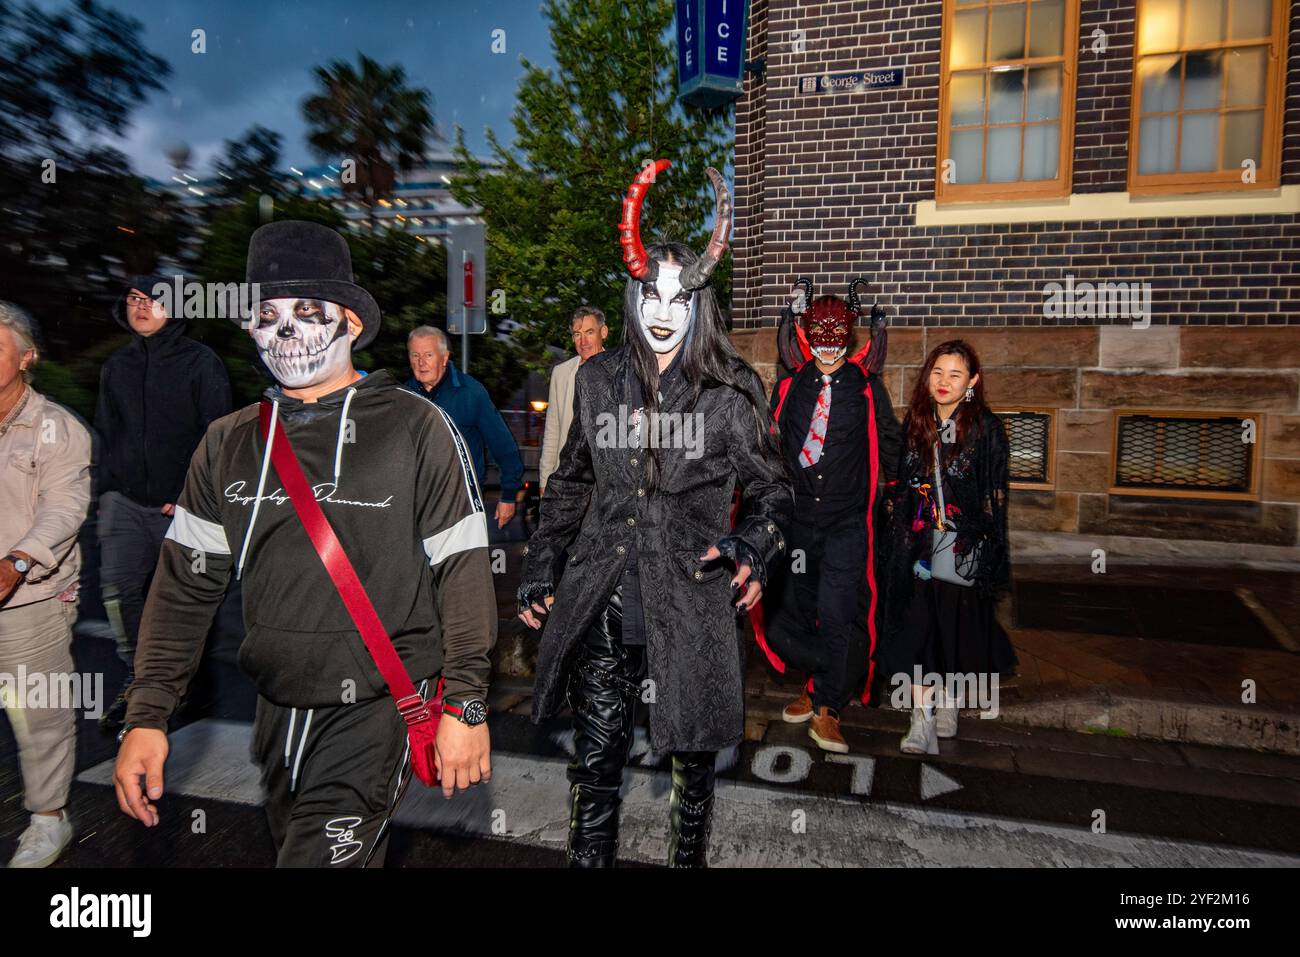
(304, 342)
(827, 324)
(666, 309)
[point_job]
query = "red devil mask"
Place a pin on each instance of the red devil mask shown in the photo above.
(827, 324)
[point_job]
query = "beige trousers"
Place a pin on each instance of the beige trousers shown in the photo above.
(36, 640)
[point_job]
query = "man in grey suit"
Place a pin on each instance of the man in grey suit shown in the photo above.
(589, 334)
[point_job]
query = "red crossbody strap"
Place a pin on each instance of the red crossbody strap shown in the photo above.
(340, 570)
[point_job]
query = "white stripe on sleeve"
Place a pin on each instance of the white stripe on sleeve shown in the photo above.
(469, 532)
(190, 531)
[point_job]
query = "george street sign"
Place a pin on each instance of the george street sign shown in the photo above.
(856, 82)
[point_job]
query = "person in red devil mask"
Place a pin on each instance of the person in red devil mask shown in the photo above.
(837, 432)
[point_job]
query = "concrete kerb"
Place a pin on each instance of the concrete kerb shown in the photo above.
(1170, 716)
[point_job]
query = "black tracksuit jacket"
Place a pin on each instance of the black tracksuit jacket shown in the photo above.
(396, 483)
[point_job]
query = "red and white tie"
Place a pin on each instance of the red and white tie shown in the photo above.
(812, 445)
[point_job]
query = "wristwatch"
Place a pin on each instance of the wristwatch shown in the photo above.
(470, 711)
(21, 565)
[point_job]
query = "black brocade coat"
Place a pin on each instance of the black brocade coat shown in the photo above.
(593, 511)
(977, 476)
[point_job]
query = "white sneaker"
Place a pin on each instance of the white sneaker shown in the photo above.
(921, 737)
(43, 841)
(946, 717)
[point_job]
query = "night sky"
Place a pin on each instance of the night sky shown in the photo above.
(257, 68)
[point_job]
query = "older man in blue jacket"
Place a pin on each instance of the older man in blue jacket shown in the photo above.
(460, 395)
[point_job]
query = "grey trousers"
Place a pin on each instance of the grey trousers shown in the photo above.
(38, 639)
(130, 539)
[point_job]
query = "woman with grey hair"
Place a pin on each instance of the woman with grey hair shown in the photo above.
(44, 496)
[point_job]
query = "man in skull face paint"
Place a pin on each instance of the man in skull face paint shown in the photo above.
(646, 610)
(303, 341)
(840, 441)
(395, 482)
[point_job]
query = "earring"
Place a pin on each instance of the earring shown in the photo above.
(970, 392)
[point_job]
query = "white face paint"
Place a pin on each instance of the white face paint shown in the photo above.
(304, 342)
(666, 309)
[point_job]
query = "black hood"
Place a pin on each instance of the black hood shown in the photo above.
(145, 282)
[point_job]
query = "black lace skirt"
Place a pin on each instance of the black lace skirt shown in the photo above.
(947, 629)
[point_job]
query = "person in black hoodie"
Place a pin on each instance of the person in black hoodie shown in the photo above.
(157, 396)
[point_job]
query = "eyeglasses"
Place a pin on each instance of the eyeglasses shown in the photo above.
(139, 302)
(426, 356)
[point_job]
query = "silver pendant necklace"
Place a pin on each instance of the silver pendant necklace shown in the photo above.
(16, 410)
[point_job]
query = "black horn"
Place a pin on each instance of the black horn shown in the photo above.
(854, 302)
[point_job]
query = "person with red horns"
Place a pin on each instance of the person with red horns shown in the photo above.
(666, 429)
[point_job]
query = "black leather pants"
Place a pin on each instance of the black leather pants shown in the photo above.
(603, 691)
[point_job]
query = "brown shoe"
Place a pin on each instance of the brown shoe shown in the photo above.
(825, 730)
(797, 711)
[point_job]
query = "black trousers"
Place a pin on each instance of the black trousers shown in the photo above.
(332, 778)
(817, 619)
(604, 689)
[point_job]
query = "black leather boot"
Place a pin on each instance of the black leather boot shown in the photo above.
(691, 808)
(603, 692)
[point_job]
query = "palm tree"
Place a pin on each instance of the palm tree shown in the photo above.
(372, 118)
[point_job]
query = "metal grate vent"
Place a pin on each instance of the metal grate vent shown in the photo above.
(1028, 435)
(1203, 453)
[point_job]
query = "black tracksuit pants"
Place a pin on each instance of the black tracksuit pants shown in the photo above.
(332, 778)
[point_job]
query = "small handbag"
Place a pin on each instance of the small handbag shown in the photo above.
(421, 716)
(943, 560)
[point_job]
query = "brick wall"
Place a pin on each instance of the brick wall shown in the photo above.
(827, 186)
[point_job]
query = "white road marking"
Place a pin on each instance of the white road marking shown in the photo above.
(934, 783)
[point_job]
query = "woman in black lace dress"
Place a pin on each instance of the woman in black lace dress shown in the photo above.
(945, 555)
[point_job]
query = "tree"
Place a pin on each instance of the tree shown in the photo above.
(74, 216)
(581, 135)
(372, 118)
(250, 163)
(86, 64)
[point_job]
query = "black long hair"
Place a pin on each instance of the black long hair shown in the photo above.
(708, 359)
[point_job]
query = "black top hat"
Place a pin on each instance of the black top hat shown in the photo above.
(294, 258)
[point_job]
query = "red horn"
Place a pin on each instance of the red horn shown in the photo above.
(697, 273)
(629, 228)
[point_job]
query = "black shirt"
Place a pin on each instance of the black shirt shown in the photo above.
(836, 487)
